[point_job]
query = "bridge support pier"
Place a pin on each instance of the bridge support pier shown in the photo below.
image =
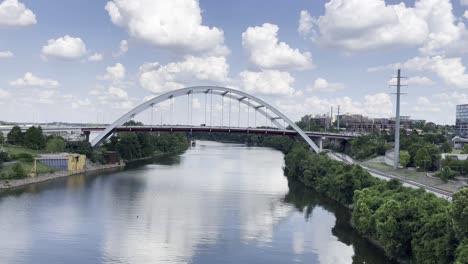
(87, 133)
(319, 142)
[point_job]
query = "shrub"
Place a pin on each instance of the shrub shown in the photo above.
(18, 171)
(25, 157)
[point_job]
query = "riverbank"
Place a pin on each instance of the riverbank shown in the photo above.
(11, 184)
(403, 220)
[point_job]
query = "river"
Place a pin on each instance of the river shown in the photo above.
(217, 203)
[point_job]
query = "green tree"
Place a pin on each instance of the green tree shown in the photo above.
(446, 148)
(404, 158)
(80, 147)
(2, 139)
(462, 253)
(465, 149)
(17, 171)
(459, 213)
(55, 144)
(390, 231)
(422, 159)
(33, 138)
(446, 173)
(434, 241)
(128, 146)
(15, 136)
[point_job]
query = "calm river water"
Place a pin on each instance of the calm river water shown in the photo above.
(217, 203)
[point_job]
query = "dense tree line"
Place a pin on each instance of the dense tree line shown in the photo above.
(408, 223)
(281, 143)
(32, 138)
(131, 145)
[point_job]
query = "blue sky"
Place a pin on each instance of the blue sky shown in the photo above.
(302, 56)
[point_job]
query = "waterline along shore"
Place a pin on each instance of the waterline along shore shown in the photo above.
(10, 184)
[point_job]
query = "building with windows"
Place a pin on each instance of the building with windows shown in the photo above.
(461, 122)
(360, 123)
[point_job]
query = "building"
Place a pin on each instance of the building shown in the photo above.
(63, 161)
(321, 121)
(461, 122)
(361, 123)
(316, 122)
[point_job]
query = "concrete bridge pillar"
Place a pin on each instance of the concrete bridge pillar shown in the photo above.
(319, 142)
(87, 133)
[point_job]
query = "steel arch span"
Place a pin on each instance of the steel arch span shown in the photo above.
(251, 101)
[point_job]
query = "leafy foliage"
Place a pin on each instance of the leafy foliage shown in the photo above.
(132, 145)
(15, 136)
(404, 158)
(55, 144)
(18, 172)
(33, 138)
(408, 223)
(365, 147)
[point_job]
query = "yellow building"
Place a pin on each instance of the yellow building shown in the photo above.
(76, 163)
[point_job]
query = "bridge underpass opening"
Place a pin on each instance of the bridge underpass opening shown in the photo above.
(207, 106)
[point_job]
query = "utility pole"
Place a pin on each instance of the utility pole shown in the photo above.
(338, 119)
(396, 157)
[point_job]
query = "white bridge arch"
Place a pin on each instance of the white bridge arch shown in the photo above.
(253, 102)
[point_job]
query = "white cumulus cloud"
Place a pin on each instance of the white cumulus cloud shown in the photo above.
(420, 80)
(65, 48)
(267, 82)
(322, 85)
(117, 93)
(123, 47)
(29, 80)
(4, 94)
(168, 24)
(14, 13)
(450, 70)
(114, 73)
(6, 54)
(360, 25)
(306, 23)
(95, 57)
(158, 78)
(267, 52)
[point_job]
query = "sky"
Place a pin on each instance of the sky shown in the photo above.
(94, 60)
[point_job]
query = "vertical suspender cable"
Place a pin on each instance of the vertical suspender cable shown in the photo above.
(238, 119)
(152, 110)
(211, 108)
(255, 118)
(248, 112)
(188, 108)
(172, 107)
(205, 107)
(230, 103)
(222, 110)
(191, 109)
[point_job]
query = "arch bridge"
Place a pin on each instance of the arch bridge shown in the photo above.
(256, 104)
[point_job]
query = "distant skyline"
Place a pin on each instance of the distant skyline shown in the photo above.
(93, 60)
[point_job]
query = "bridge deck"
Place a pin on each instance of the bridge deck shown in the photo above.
(265, 131)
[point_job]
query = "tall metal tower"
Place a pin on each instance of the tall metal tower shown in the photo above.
(396, 158)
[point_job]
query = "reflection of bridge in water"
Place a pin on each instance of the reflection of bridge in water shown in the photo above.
(252, 104)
